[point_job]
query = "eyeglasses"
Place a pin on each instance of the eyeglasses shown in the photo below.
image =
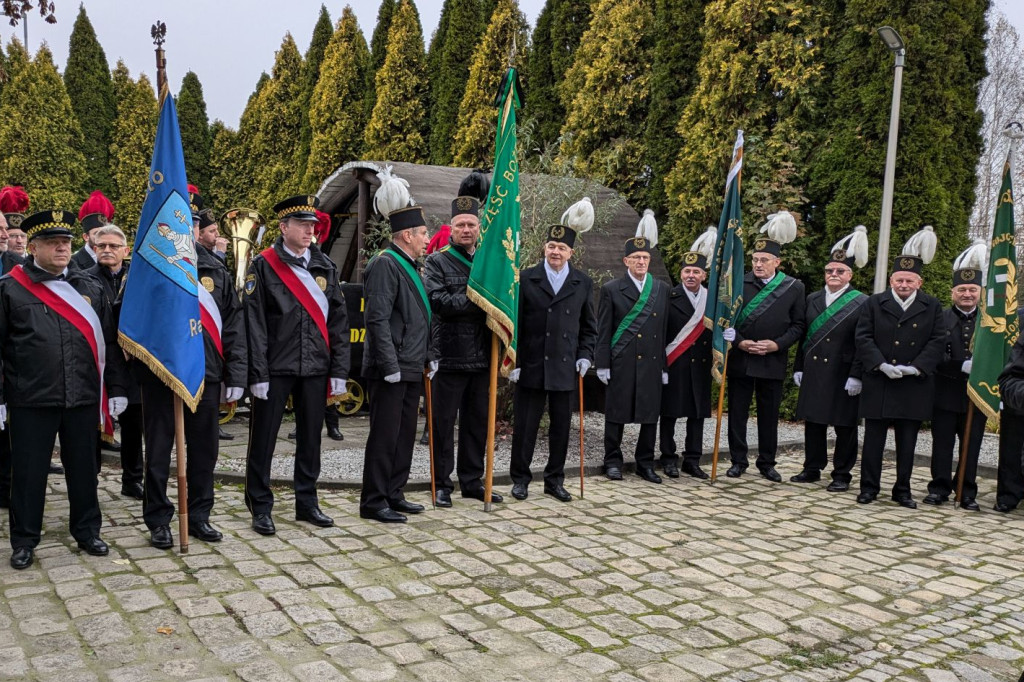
(835, 271)
(108, 247)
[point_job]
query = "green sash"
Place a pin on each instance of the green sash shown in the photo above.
(414, 276)
(755, 302)
(830, 312)
(454, 253)
(635, 311)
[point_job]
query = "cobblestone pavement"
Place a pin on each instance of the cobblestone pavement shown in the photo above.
(745, 580)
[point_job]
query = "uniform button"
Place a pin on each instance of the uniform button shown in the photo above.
(655, 314)
(911, 343)
(826, 360)
(549, 310)
(547, 333)
(898, 326)
(815, 357)
(639, 357)
(545, 357)
(897, 343)
(639, 336)
(563, 359)
(915, 325)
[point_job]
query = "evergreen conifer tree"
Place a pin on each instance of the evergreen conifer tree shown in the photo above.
(131, 149)
(397, 127)
(474, 134)
(196, 141)
(546, 109)
(225, 190)
(378, 51)
(311, 65)
(41, 143)
(336, 112)
(17, 59)
(448, 80)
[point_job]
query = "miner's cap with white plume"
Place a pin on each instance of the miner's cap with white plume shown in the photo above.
(646, 235)
(971, 265)
(851, 250)
(917, 252)
(576, 220)
(779, 229)
(393, 193)
(703, 249)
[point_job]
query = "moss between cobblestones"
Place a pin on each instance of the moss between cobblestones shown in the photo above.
(823, 656)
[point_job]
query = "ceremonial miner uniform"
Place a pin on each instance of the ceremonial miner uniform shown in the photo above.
(95, 212)
(7, 261)
(1010, 475)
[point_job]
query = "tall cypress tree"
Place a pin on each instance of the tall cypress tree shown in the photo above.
(378, 51)
(225, 189)
(195, 131)
(336, 112)
(311, 65)
(606, 94)
(131, 149)
(17, 59)
(87, 80)
(474, 135)
(939, 143)
(41, 142)
(448, 80)
(397, 127)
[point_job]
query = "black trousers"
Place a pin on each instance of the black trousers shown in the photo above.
(1010, 475)
(875, 431)
(528, 407)
(947, 435)
(201, 449)
(308, 396)
(644, 453)
(768, 393)
(131, 443)
(388, 455)
(5, 465)
(816, 450)
(33, 431)
(463, 395)
(331, 416)
(693, 445)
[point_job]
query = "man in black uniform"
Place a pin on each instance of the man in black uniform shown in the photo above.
(900, 338)
(557, 334)
(949, 414)
(396, 352)
(1010, 475)
(96, 211)
(59, 348)
(630, 358)
(461, 345)
(771, 320)
(298, 344)
(8, 260)
(827, 370)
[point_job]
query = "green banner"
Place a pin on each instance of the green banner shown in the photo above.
(725, 271)
(998, 326)
(494, 278)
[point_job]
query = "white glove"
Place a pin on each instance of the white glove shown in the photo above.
(890, 371)
(798, 378)
(909, 370)
(260, 390)
(338, 386)
(605, 375)
(664, 378)
(853, 386)
(513, 376)
(233, 394)
(393, 378)
(433, 369)
(729, 334)
(116, 406)
(3, 416)
(582, 365)
(966, 367)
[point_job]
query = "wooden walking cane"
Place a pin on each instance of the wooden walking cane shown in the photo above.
(181, 460)
(718, 424)
(581, 437)
(430, 438)
(965, 443)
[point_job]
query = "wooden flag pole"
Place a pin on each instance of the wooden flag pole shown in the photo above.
(430, 438)
(179, 448)
(581, 437)
(492, 407)
(718, 423)
(965, 443)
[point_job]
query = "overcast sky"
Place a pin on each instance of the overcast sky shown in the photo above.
(228, 43)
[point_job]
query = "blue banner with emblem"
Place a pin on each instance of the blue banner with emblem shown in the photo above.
(159, 323)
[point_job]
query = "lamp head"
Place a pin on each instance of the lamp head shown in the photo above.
(892, 39)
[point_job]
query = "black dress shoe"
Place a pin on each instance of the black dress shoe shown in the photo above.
(520, 492)
(22, 558)
(204, 531)
(407, 507)
(866, 498)
(969, 504)
(425, 439)
(293, 434)
(838, 487)
(94, 546)
(224, 435)
(263, 524)
(647, 473)
(442, 498)
(735, 471)
(334, 433)
(55, 469)
(113, 446)
(613, 473)
(906, 502)
(558, 492)
(805, 477)
(478, 494)
(313, 515)
(161, 538)
(934, 498)
(693, 470)
(671, 470)
(771, 474)
(1003, 508)
(385, 515)
(132, 490)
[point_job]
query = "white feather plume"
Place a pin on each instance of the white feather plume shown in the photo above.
(392, 194)
(974, 256)
(648, 227)
(705, 244)
(855, 243)
(922, 244)
(780, 227)
(579, 216)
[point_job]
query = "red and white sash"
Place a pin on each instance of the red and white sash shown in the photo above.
(209, 314)
(691, 331)
(304, 288)
(63, 299)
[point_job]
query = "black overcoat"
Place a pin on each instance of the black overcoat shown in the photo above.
(688, 393)
(783, 323)
(950, 381)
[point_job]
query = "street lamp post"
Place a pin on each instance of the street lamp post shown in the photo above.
(894, 42)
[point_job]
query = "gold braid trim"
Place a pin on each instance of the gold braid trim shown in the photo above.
(295, 209)
(495, 320)
(140, 353)
(980, 403)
